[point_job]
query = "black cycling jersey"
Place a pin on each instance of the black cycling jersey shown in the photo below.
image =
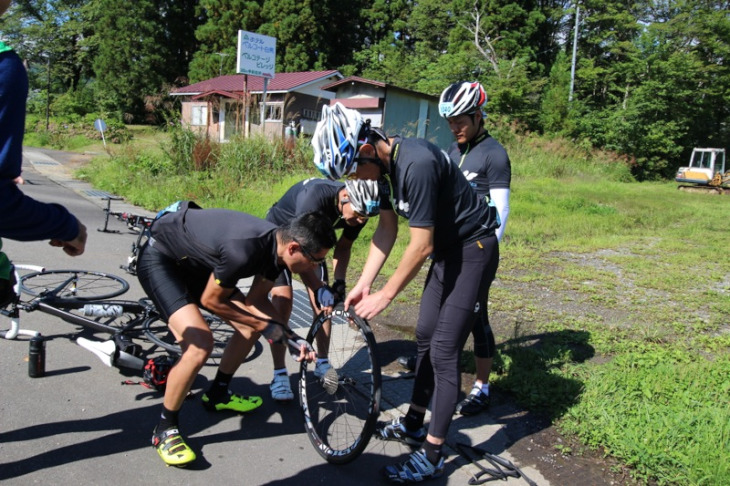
(484, 162)
(230, 244)
(317, 194)
(430, 190)
(312, 195)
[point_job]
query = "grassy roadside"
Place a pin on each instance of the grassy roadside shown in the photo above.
(612, 296)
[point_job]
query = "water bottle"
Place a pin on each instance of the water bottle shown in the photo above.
(103, 310)
(37, 357)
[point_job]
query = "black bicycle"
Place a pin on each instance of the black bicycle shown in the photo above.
(342, 407)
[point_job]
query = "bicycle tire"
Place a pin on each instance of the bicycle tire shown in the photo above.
(340, 419)
(74, 284)
(156, 330)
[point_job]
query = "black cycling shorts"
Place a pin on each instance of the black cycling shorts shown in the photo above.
(169, 285)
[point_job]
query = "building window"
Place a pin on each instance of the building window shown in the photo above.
(308, 114)
(199, 115)
(273, 111)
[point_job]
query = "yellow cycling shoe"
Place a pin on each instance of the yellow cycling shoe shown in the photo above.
(172, 448)
(235, 403)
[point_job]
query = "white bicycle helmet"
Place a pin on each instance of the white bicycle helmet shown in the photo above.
(335, 141)
(364, 196)
(462, 98)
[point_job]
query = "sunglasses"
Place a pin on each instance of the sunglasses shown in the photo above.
(309, 255)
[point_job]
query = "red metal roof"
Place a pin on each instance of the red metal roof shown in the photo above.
(234, 83)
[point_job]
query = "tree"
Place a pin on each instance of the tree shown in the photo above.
(129, 61)
(47, 35)
(218, 35)
(554, 104)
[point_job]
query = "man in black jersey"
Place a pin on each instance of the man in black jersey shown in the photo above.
(487, 167)
(195, 257)
(347, 206)
(449, 223)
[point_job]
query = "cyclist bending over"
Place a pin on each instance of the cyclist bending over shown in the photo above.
(348, 207)
(195, 257)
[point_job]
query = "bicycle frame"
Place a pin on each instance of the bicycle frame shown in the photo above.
(113, 352)
(12, 312)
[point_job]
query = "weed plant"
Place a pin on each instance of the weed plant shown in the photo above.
(611, 301)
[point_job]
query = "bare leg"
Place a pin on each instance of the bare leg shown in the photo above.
(282, 298)
(483, 369)
(196, 340)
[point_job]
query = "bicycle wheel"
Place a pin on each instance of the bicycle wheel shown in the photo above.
(341, 409)
(156, 330)
(74, 284)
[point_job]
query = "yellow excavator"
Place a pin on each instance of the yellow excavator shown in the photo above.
(705, 173)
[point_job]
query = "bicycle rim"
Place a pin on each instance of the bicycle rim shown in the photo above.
(340, 412)
(74, 284)
(158, 332)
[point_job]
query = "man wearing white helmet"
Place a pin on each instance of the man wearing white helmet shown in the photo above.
(348, 206)
(447, 221)
(487, 167)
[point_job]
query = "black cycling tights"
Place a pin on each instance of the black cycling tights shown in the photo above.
(449, 308)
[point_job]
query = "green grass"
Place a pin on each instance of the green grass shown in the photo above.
(611, 303)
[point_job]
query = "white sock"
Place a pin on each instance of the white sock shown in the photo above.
(484, 388)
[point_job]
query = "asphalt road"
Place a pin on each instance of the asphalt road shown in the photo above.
(80, 425)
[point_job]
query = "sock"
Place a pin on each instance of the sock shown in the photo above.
(433, 452)
(414, 420)
(322, 360)
(219, 389)
(281, 371)
(168, 419)
(476, 388)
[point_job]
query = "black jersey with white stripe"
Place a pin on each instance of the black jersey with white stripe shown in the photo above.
(484, 162)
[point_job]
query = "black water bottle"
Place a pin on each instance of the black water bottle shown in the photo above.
(37, 357)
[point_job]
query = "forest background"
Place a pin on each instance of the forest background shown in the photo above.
(651, 78)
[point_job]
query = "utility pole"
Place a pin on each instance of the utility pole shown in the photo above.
(575, 51)
(220, 64)
(48, 93)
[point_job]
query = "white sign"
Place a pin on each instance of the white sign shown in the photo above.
(256, 54)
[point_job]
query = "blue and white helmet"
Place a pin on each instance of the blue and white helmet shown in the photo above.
(335, 141)
(462, 98)
(364, 196)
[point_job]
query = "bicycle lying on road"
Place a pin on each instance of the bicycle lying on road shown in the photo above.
(135, 222)
(340, 410)
(86, 299)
